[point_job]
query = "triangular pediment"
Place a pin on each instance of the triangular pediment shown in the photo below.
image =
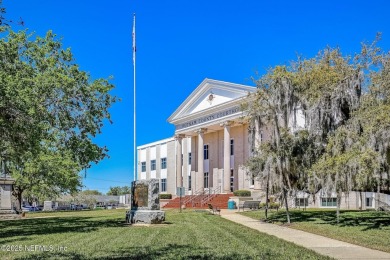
(210, 94)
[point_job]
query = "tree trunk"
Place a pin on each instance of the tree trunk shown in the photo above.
(30, 201)
(286, 203)
(338, 207)
(17, 192)
(266, 197)
(361, 200)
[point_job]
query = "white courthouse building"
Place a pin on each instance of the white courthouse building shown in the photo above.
(209, 147)
(211, 144)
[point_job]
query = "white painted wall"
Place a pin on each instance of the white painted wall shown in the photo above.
(152, 155)
(163, 150)
(142, 155)
(163, 173)
(205, 104)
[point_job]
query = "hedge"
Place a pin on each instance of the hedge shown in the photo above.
(271, 205)
(242, 193)
(165, 196)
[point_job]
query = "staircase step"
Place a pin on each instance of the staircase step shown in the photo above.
(219, 200)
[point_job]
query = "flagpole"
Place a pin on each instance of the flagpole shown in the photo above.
(134, 95)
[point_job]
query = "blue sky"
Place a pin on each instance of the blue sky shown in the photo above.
(179, 43)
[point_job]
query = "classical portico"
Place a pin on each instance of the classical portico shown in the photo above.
(213, 121)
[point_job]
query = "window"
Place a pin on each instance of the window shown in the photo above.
(206, 179)
(328, 202)
(231, 147)
(231, 180)
(253, 181)
(189, 158)
(368, 202)
(163, 185)
(163, 163)
(189, 182)
(301, 202)
(143, 166)
(181, 159)
(206, 152)
(153, 165)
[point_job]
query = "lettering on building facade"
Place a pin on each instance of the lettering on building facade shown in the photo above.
(208, 118)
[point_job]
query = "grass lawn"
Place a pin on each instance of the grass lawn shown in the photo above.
(366, 228)
(103, 235)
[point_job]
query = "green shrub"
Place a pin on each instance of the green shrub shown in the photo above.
(165, 196)
(242, 193)
(271, 205)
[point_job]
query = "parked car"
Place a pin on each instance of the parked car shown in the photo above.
(29, 209)
(76, 207)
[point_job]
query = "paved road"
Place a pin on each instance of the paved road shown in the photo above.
(322, 245)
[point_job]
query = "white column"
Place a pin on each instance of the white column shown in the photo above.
(199, 185)
(226, 156)
(179, 174)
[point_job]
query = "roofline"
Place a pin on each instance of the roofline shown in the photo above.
(155, 143)
(201, 85)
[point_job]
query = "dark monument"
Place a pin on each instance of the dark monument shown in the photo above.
(145, 203)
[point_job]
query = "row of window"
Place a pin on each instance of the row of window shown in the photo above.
(325, 202)
(205, 183)
(153, 165)
(189, 159)
(163, 185)
(164, 160)
(206, 150)
(206, 180)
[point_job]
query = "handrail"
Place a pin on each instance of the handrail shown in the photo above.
(192, 197)
(382, 205)
(210, 196)
(197, 197)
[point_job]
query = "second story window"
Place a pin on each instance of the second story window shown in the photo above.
(153, 165)
(231, 147)
(163, 185)
(189, 158)
(163, 163)
(143, 166)
(206, 152)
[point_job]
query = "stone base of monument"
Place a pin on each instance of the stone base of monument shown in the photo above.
(145, 216)
(9, 214)
(6, 208)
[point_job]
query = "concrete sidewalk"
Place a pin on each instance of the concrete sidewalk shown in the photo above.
(322, 245)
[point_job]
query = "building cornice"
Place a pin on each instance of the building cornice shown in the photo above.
(230, 104)
(204, 87)
(155, 143)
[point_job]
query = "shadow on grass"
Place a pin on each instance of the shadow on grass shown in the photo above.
(170, 251)
(44, 226)
(366, 219)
